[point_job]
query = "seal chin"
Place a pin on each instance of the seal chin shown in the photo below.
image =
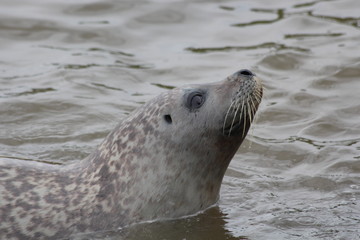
(233, 129)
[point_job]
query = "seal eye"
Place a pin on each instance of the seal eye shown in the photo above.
(195, 100)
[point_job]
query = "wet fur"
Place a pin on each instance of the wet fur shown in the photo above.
(146, 168)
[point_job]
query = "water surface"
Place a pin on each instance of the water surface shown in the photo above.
(69, 71)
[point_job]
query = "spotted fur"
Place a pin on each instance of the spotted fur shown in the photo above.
(147, 168)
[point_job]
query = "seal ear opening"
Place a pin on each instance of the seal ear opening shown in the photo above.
(168, 119)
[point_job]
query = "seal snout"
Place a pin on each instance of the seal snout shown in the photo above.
(242, 75)
(246, 72)
(244, 103)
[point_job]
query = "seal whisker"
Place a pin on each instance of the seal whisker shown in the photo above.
(232, 123)
(254, 115)
(227, 113)
(258, 97)
(250, 111)
(253, 107)
(244, 127)
(242, 110)
(250, 114)
(255, 96)
(243, 114)
(260, 93)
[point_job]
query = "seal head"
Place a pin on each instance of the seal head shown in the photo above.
(176, 148)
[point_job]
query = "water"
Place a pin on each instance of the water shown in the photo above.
(69, 70)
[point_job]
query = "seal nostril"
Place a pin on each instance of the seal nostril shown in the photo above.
(246, 72)
(168, 118)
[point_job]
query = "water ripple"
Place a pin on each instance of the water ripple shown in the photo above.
(267, 45)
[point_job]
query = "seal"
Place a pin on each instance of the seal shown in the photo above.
(165, 160)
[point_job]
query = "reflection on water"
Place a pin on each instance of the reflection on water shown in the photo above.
(70, 71)
(269, 45)
(279, 15)
(208, 225)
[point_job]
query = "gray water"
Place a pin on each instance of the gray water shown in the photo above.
(69, 70)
